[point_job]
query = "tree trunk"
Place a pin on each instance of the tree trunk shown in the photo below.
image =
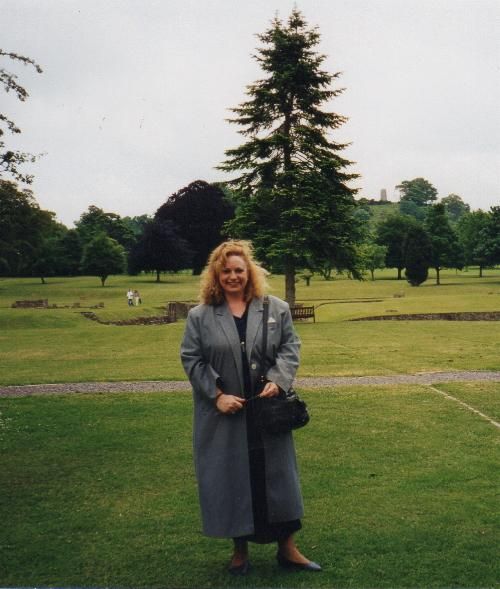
(42, 279)
(103, 280)
(480, 271)
(373, 274)
(157, 276)
(326, 272)
(287, 154)
(290, 281)
(437, 275)
(399, 273)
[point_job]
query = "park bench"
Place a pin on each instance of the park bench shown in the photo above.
(302, 313)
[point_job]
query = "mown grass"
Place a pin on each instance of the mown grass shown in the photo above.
(399, 486)
(480, 395)
(60, 345)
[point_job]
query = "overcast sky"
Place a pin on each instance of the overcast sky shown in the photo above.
(132, 102)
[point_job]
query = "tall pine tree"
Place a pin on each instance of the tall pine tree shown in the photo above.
(292, 196)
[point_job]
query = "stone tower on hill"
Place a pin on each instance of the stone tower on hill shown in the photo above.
(383, 195)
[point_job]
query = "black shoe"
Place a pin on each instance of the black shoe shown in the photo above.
(298, 566)
(239, 570)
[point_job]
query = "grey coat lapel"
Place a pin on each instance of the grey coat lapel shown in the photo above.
(228, 325)
(254, 321)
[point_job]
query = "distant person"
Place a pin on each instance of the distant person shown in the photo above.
(130, 297)
(137, 298)
(247, 479)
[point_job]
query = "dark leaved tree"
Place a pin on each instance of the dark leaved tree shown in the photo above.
(159, 249)
(291, 188)
(198, 212)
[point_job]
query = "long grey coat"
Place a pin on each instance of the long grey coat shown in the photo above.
(210, 350)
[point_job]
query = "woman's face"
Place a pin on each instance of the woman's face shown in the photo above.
(233, 277)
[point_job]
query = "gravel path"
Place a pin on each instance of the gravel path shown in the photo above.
(428, 378)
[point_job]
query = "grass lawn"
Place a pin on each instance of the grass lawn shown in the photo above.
(399, 484)
(60, 345)
(477, 394)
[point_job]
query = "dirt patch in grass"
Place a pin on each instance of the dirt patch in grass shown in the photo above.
(464, 316)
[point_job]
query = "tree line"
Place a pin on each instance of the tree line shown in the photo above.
(289, 193)
(427, 234)
(192, 221)
(179, 236)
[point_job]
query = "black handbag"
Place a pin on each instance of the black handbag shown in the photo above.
(286, 411)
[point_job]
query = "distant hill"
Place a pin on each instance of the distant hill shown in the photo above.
(378, 210)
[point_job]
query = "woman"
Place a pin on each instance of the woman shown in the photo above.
(247, 480)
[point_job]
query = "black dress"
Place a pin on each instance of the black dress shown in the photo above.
(264, 530)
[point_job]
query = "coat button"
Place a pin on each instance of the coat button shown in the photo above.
(254, 366)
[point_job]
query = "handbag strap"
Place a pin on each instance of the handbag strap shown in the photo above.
(265, 319)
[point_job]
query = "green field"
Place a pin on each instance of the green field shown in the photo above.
(399, 486)
(399, 482)
(60, 345)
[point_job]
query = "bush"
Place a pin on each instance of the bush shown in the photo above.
(417, 254)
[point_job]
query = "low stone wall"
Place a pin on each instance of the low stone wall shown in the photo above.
(463, 316)
(39, 304)
(156, 320)
(175, 310)
(44, 304)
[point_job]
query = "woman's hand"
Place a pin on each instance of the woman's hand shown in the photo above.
(229, 404)
(270, 390)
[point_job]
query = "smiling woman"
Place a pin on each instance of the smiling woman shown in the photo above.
(234, 279)
(247, 479)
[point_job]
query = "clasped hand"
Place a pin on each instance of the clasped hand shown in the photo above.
(270, 390)
(230, 404)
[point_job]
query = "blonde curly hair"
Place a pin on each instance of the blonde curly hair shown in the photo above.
(211, 292)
